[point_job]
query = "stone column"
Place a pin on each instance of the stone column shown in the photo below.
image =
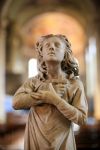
(2, 77)
(97, 88)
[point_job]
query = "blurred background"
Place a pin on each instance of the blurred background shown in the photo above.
(22, 22)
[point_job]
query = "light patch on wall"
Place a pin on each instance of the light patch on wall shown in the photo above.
(32, 67)
(91, 67)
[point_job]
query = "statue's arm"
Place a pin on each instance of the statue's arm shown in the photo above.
(22, 98)
(77, 111)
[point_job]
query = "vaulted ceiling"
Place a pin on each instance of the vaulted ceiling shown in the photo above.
(25, 20)
(21, 17)
(18, 14)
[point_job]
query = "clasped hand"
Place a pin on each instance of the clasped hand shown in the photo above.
(51, 97)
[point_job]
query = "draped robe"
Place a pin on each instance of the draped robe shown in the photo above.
(50, 127)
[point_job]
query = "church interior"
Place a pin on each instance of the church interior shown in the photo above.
(22, 22)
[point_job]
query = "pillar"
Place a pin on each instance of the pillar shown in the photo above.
(2, 77)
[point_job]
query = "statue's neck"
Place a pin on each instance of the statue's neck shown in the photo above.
(54, 70)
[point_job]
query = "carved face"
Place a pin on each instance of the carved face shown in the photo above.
(53, 49)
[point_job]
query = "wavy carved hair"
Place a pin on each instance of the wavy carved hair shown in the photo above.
(69, 64)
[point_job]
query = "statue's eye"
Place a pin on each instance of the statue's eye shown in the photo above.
(57, 44)
(47, 44)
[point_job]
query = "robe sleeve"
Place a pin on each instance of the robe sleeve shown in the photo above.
(22, 98)
(77, 111)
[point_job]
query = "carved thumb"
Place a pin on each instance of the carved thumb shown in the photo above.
(52, 89)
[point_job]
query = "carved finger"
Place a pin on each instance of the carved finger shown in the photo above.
(36, 95)
(52, 89)
(61, 86)
(41, 92)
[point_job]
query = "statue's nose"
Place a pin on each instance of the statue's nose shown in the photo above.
(51, 48)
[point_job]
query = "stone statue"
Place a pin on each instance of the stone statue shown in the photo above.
(55, 97)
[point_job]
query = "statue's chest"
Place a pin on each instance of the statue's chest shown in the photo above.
(66, 95)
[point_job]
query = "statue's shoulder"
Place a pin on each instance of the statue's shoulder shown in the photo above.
(32, 80)
(76, 81)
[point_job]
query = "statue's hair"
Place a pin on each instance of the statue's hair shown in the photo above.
(69, 64)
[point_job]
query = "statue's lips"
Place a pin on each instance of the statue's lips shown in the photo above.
(51, 53)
